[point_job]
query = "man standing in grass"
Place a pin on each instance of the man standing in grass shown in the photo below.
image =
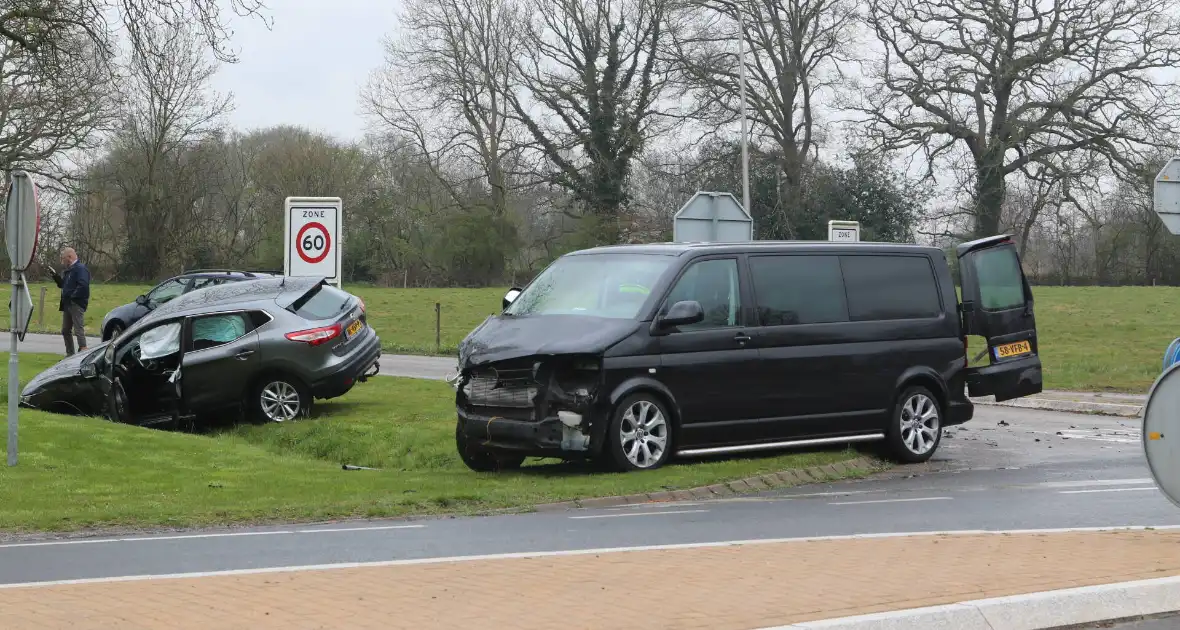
(74, 283)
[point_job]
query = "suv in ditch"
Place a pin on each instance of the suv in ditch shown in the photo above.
(266, 347)
(634, 354)
(120, 317)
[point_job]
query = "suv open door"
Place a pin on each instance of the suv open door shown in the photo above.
(997, 304)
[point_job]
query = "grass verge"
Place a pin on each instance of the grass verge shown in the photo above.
(77, 473)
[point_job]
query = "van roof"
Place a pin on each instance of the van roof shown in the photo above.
(680, 249)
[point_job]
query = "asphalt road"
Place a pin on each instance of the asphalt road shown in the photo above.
(435, 368)
(1167, 622)
(1008, 469)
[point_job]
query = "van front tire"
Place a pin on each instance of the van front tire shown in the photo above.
(640, 434)
(915, 427)
(481, 459)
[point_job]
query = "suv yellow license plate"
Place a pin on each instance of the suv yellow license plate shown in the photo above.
(354, 328)
(1013, 349)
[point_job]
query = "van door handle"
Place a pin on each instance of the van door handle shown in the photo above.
(741, 338)
(241, 356)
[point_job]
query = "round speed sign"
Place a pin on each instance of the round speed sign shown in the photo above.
(313, 243)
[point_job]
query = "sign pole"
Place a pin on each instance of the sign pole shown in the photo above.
(22, 220)
(13, 371)
(745, 123)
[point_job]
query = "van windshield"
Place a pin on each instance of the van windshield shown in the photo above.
(602, 285)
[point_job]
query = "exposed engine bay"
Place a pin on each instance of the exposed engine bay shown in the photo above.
(555, 395)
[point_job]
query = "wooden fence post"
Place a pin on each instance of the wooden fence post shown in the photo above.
(41, 311)
(437, 327)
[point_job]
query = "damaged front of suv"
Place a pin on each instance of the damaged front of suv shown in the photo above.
(541, 378)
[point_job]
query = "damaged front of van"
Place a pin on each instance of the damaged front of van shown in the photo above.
(543, 378)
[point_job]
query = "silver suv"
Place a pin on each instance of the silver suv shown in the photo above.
(266, 347)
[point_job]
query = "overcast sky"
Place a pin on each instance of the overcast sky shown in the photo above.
(308, 67)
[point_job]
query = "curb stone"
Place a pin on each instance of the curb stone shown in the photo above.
(1046, 610)
(759, 483)
(1120, 410)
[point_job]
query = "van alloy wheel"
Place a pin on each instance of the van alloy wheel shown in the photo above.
(643, 434)
(915, 426)
(919, 424)
(280, 401)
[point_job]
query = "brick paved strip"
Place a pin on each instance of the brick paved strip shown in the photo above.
(734, 587)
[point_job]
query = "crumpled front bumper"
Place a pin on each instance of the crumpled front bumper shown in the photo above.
(531, 414)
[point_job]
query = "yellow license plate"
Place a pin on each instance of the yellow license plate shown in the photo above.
(355, 328)
(1013, 349)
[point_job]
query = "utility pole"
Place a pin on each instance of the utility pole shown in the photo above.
(745, 124)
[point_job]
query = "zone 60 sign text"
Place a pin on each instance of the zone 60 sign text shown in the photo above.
(312, 242)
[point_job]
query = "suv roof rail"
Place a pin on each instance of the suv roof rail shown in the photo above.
(186, 272)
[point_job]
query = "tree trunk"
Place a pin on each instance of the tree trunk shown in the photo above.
(989, 194)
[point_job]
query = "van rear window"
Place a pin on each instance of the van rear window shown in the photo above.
(1001, 282)
(322, 302)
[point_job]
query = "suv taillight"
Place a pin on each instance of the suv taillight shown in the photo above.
(316, 336)
(361, 301)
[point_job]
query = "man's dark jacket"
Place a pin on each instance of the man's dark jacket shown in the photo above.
(75, 286)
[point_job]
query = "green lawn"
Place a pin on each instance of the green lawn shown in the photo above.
(82, 472)
(1092, 338)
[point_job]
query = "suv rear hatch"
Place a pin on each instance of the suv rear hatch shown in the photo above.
(997, 304)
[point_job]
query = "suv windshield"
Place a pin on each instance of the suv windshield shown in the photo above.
(602, 285)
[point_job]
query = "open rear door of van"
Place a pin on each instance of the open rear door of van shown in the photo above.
(997, 304)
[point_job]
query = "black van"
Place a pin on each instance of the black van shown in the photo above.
(636, 353)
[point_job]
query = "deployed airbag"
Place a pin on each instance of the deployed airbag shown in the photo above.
(160, 341)
(218, 329)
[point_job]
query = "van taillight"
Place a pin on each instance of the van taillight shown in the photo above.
(316, 336)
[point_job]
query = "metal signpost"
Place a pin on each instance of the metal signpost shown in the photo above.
(844, 231)
(311, 241)
(1161, 414)
(712, 217)
(22, 223)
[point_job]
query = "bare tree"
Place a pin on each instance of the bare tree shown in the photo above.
(47, 107)
(1021, 83)
(446, 83)
(593, 73)
(795, 49)
(36, 24)
(171, 111)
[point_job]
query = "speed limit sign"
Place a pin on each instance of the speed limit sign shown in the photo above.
(312, 242)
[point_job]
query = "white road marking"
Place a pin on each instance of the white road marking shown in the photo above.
(892, 501)
(584, 552)
(1115, 436)
(275, 532)
(622, 514)
(1095, 482)
(650, 506)
(1104, 490)
(831, 494)
(357, 529)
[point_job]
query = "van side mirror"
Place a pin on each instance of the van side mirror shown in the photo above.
(511, 296)
(683, 313)
(141, 300)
